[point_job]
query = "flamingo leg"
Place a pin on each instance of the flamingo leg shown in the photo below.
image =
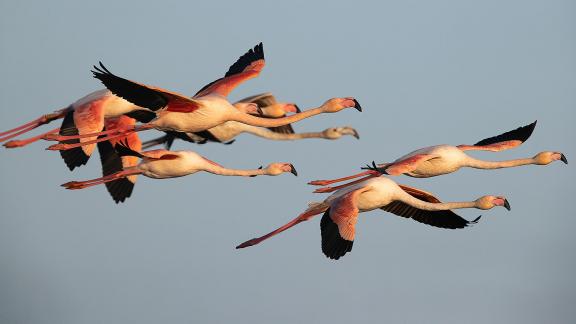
(328, 182)
(24, 142)
(301, 218)
(153, 142)
(331, 189)
(74, 185)
(33, 124)
(64, 146)
(61, 138)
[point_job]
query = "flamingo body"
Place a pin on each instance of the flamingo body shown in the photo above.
(214, 110)
(445, 159)
(188, 163)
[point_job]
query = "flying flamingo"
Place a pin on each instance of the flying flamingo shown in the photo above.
(269, 108)
(208, 108)
(442, 159)
(163, 164)
(84, 116)
(226, 133)
(112, 162)
(342, 207)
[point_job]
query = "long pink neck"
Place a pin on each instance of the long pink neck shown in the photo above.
(216, 169)
(420, 204)
(275, 122)
(265, 133)
(480, 164)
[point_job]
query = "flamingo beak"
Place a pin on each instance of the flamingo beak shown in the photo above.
(563, 158)
(507, 204)
(297, 109)
(293, 170)
(259, 168)
(355, 134)
(259, 110)
(357, 105)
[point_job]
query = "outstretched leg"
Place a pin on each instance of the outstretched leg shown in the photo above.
(312, 211)
(73, 185)
(45, 119)
(123, 133)
(61, 138)
(328, 182)
(331, 189)
(24, 142)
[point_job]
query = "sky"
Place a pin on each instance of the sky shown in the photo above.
(426, 73)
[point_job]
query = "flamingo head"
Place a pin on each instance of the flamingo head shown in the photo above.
(544, 158)
(336, 104)
(275, 169)
(489, 202)
(337, 132)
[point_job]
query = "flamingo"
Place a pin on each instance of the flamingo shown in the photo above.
(226, 133)
(207, 109)
(341, 211)
(164, 164)
(112, 162)
(443, 159)
(269, 108)
(86, 115)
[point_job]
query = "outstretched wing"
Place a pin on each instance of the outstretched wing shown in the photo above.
(142, 95)
(337, 226)
(407, 165)
(503, 141)
(112, 162)
(262, 100)
(248, 66)
(442, 218)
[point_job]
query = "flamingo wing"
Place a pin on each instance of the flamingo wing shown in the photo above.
(248, 66)
(443, 218)
(85, 119)
(503, 141)
(112, 162)
(264, 100)
(407, 165)
(337, 226)
(142, 95)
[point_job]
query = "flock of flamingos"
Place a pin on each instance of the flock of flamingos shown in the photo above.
(108, 119)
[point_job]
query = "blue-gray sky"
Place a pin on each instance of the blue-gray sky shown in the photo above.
(426, 72)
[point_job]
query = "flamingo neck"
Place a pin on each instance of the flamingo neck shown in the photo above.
(275, 122)
(481, 164)
(420, 204)
(265, 133)
(216, 169)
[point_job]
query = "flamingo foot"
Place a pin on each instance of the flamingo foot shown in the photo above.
(50, 137)
(320, 182)
(59, 147)
(325, 189)
(15, 144)
(73, 185)
(248, 243)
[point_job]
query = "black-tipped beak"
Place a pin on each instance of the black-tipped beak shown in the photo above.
(563, 158)
(293, 170)
(357, 105)
(259, 110)
(507, 204)
(297, 109)
(355, 134)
